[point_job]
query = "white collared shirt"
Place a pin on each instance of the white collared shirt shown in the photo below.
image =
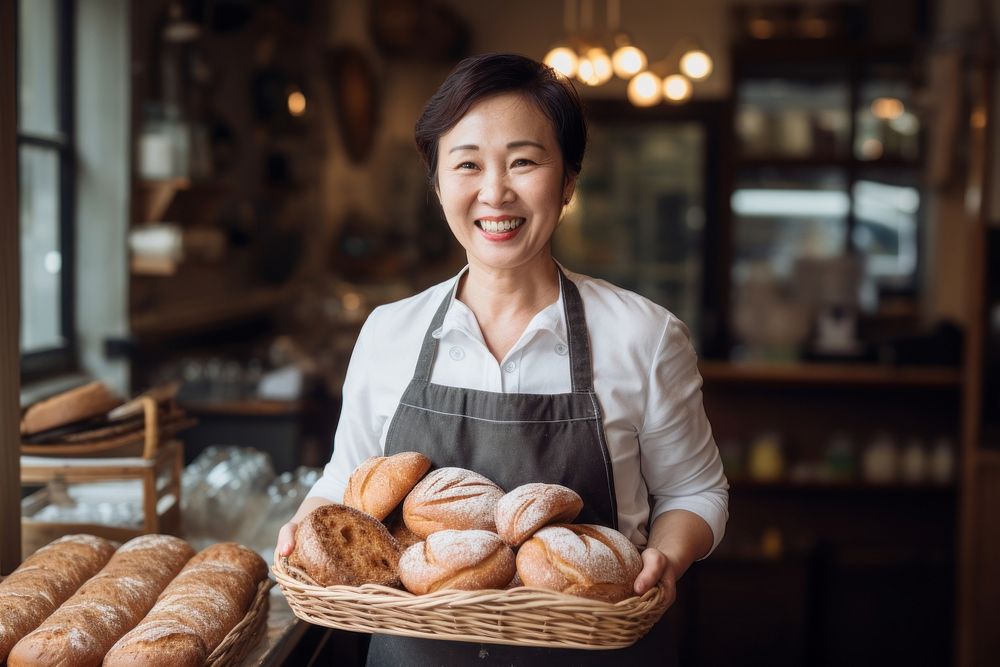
(645, 377)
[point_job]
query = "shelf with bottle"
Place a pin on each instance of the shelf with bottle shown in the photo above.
(804, 373)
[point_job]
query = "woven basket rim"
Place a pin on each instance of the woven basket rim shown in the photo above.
(555, 619)
(246, 633)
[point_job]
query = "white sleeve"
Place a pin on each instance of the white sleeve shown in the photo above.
(680, 462)
(359, 428)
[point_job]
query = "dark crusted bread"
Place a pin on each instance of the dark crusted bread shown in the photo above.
(339, 545)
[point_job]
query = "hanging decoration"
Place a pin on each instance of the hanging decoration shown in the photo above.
(595, 56)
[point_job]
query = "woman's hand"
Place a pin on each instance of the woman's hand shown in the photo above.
(657, 568)
(286, 540)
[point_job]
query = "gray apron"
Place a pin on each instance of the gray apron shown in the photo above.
(515, 439)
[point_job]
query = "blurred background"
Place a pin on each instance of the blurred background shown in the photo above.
(214, 194)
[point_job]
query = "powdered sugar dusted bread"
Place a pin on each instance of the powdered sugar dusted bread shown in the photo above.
(197, 609)
(379, 484)
(586, 560)
(531, 506)
(109, 604)
(44, 581)
(467, 560)
(339, 545)
(452, 499)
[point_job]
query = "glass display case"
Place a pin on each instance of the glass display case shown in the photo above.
(639, 215)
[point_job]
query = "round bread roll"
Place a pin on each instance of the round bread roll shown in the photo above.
(452, 499)
(339, 545)
(530, 506)
(379, 484)
(466, 560)
(580, 559)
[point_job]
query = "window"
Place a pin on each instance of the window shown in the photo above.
(46, 182)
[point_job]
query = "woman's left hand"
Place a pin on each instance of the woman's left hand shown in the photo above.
(656, 567)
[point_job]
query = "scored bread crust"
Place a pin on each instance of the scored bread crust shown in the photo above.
(44, 581)
(82, 630)
(452, 499)
(339, 545)
(580, 559)
(196, 610)
(380, 483)
(467, 560)
(529, 507)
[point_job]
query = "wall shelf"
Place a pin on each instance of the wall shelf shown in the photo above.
(943, 377)
(840, 486)
(184, 318)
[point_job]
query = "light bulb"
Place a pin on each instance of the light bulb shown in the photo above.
(887, 108)
(696, 64)
(585, 72)
(644, 89)
(296, 103)
(676, 88)
(601, 61)
(563, 60)
(628, 61)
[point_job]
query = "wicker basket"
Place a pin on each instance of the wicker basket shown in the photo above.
(521, 616)
(237, 644)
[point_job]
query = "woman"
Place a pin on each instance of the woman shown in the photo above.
(524, 372)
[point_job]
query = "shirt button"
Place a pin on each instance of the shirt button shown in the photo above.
(561, 349)
(456, 353)
(436, 333)
(509, 367)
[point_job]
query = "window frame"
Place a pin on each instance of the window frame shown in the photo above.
(39, 364)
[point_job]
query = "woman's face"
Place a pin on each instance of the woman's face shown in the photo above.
(502, 182)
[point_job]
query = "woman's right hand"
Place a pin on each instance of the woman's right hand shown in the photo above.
(286, 540)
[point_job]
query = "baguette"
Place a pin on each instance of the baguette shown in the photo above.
(466, 560)
(452, 499)
(529, 507)
(379, 484)
(336, 544)
(586, 560)
(44, 581)
(82, 630)
(195, 612)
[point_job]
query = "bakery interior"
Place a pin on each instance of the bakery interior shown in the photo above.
(202, 200)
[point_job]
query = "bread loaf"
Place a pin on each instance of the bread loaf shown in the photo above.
(586, 560)
(82, 630)
(529, 507)
(379, 484)
(196, 611)
(336, 544)
(44, 581)
(466, 560)
(68, 407)
(452, 499)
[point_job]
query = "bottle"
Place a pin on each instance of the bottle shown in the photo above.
(881, 460)
(941, 463)
(767, 462)
(913, 462)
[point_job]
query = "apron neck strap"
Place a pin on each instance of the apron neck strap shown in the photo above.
(576, 329)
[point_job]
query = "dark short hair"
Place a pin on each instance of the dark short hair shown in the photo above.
(476, 78)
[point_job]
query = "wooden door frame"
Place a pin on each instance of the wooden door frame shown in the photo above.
(10, 298)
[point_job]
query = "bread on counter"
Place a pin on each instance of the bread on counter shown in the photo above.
(465, 560)
(196, 610)
(82, 630)
(381, 483)
(71, 406)
(580, 559)
(44, 581)
(452, 499)
(524, 510)
(339, 545)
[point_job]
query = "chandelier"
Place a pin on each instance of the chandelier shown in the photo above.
(595, 56)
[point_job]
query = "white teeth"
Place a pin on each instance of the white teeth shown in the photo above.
(497, 226)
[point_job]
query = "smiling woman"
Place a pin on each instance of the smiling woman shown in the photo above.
(549, 376)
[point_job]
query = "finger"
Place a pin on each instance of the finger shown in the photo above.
(653, 565)
(286, 539)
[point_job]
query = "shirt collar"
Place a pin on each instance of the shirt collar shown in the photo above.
(461, 319)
